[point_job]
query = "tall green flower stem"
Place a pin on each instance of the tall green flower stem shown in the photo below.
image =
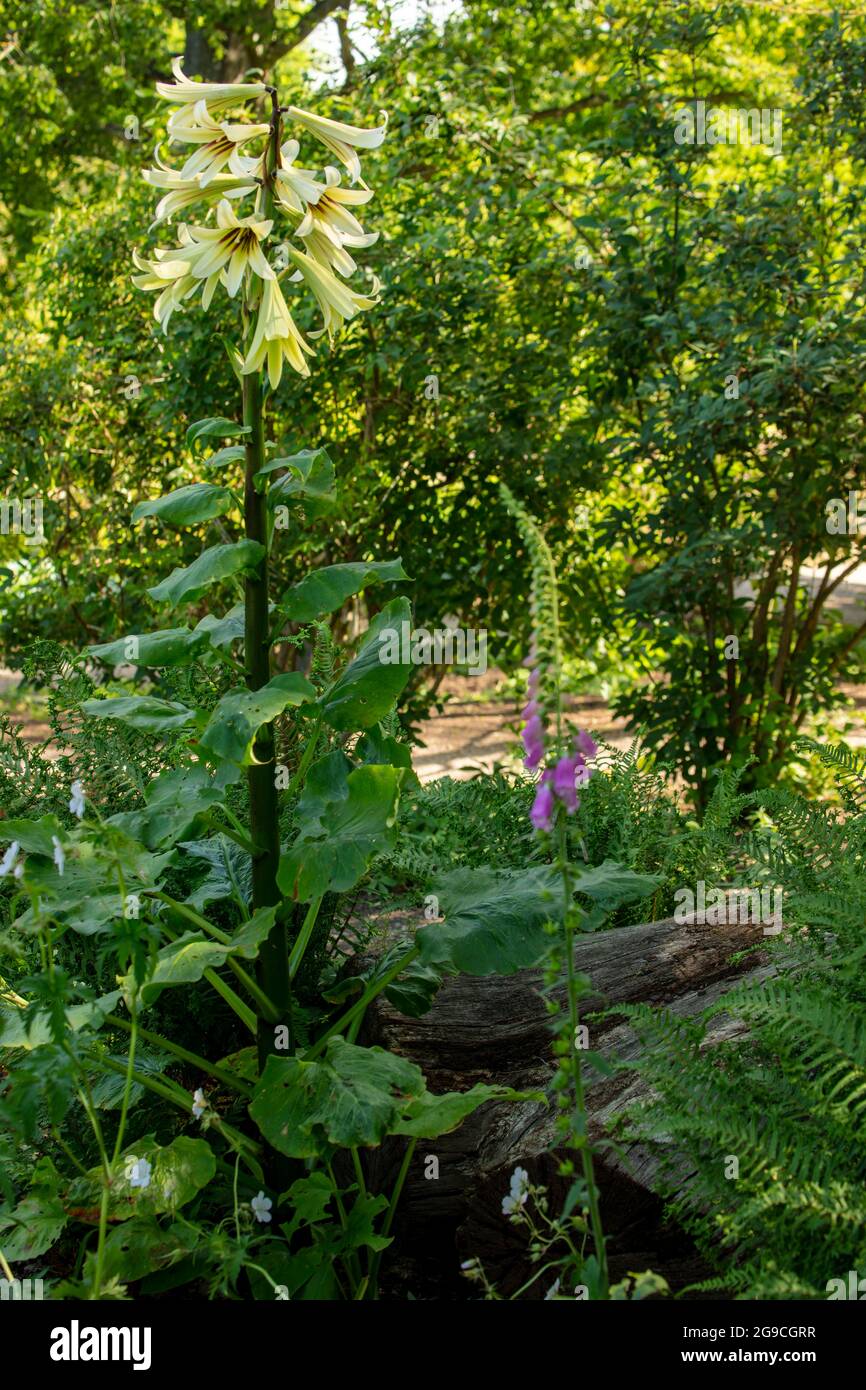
(569, 1083)
(570, 1062)
(272, 971)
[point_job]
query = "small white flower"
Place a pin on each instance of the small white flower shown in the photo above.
(59, 856)
(552, 1291)
(518, 1193)
(261, 1206)
(138, 1172)
(76, 801)
(199, 1104)
(7, 863)
(19, 869)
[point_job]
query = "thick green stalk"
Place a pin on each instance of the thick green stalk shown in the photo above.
(272, 971)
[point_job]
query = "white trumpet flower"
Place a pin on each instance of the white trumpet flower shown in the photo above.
(219, 141)
(211, 255)
(330, 212)
(234, 243)
(182, 193)
(171, 278)
(59, 856)
(342, 140)
(77, 799)
(276, 337)
(295, 188)
(218, 171)
(184, 90)
(336, 301)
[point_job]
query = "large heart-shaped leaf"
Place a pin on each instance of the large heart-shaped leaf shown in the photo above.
(353, 1096)
(366, 690)
(308, 473)
(232, 453)
(346, 818)
(143, 712)
(185, 960)
(174, 801)
(215, 426)
(217, 563)
(34, 836)
(32, 1228)
(325, 590)
(171, 647)
(494, 921)
(221, 632)
(187, 506)
(240, 714)
(26, 1029)
(229, 869)
(148, 1178)
(610, 884)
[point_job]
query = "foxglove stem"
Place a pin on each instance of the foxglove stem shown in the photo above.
(575, 1065)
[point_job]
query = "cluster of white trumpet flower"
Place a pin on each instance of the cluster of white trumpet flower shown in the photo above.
(233, 252)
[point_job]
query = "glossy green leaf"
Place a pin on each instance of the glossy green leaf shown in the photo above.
(353, 1096)
(187, 506)
(325, 590)
(184, 961)
(27, 1029)
(215, 426)
(346, 818)
(172, 1175)
(143, 712)
(34, 836)
(218, 563)
(173, 803)
(32, 1228)
(171, 647)
(494, 921)
(366, 690)
(240, 714)
(309, 473)
(221, 632)
(611, 884)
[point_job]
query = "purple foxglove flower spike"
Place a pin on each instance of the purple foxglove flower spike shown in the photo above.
(533, 742)
(585, 744)
(541, 814)
(563, 783)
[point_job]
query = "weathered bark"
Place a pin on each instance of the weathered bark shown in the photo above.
(495, 1029)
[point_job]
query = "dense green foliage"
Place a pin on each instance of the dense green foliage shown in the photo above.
(569, 295)
(785, 1099)
(606, 407)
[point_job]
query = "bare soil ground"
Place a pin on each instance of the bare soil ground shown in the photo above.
(475, 732)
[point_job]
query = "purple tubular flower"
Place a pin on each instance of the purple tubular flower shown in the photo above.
(541, 814)
(531, 710)
(563, 783)
(585, 744)
(533, 742)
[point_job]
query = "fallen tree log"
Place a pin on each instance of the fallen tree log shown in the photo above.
(495, 1029)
